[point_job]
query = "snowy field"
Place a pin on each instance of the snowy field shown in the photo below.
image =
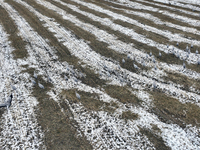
(100, 74)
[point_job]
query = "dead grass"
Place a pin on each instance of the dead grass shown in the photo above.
(168, 58)
(155, 37)
(128, 115)
(170, 110)
(2, 110)
(92, 79)
(90, 101)
(189, 9)
(194, 67)
(182, 80)
(172, 59)
(156, 140)
(163, 17)
(60, 131)
(156, 129)
(11, 28)
(122, 94)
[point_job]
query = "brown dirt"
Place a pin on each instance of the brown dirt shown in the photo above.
(128, 115)
(170, 110)
(90, 101)
(122, 94)
(183, 80)
(11, 29)
(16, 41)
(157, 141)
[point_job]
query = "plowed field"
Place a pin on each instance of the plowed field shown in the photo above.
(100, 74)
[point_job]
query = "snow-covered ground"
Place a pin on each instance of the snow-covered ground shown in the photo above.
(102, 129)
(19, 125)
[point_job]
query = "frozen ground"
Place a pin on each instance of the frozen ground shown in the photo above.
(121, 74)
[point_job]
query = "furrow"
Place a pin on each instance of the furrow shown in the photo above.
(136, 14)
(11, 29)
(123, 48)
(190, 20)
(45, 60)
(119, 45)
(61, 51)
(99, 46)
(115, 138)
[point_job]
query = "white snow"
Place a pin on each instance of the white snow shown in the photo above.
(19, 125)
